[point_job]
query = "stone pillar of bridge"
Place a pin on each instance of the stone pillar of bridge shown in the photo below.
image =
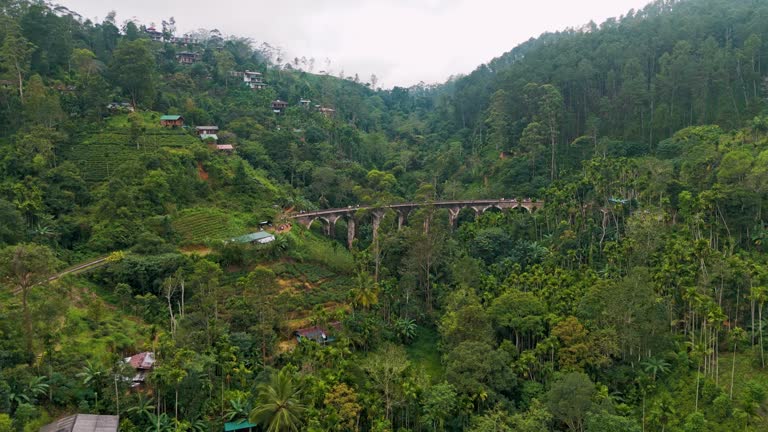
(402, 215)
(378, 215)
(453, 216)
(350, 231)
(330, 230)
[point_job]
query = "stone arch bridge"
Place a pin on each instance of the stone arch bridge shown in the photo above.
(330, 216)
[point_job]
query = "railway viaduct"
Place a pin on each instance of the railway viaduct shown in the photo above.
(331, 216)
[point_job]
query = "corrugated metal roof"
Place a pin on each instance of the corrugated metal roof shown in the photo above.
(252, 237)
(84, 423)
(170, 117)
(235, 426)
(145, 360)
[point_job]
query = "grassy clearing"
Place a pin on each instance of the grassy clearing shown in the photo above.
(424, 355)
(747, 369)
(326, 253)
(91, 323)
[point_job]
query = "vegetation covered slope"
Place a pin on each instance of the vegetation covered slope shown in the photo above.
(633, 301)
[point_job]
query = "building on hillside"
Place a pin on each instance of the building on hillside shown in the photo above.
(305, 103)
(156, 36)
(261, 237)
(254, 80)
(279, 106)
(120, 107)
(242, 425)
(226, 148)
(84, 423)
(187, 57)
(185, 40)
(172, 120)
(210, 138)
(142, 363)
(328, 112)
(207, 130)
(63, 88)
(318, 334)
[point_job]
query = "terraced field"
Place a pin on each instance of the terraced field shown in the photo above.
(202, 224)
(99, 155)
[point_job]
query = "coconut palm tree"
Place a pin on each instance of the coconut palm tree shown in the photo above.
(278, 404)
(143, 407)
(655, 366)
(366, 294)
(92, 376)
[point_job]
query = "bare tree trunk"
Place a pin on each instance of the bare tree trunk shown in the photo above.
(21, 82)
(760, 317)
(27, 321)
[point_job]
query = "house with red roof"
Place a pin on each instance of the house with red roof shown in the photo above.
(142, 363)
(319, 334)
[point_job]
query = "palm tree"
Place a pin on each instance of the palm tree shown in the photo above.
(655, 366)
(406, 329)
(278, 404)
(143, 408)
(664, 412)
(738, 335)
(366, 294)
(37, 386)
(698, 351)
(161, 423)
(91, 376)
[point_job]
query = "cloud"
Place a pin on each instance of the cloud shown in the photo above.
(401, 41)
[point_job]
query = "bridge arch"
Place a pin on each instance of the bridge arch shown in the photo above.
(492, 206)
(327, 225)
(462, 214)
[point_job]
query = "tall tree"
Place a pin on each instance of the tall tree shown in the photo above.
(550, 110)
(16, 53)
(22, 267)
(41, 107)
(570, 398)
(133, 69)
(225, 63)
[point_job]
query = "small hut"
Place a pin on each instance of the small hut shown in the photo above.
(172, 120)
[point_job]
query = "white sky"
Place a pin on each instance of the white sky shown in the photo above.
(401, 41)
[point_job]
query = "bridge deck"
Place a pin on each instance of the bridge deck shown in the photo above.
(511, 203)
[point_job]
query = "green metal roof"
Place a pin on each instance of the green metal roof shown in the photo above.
(170, 117)
(252, 237)
(235, 426)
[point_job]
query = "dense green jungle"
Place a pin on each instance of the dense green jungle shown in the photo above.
(155, 269)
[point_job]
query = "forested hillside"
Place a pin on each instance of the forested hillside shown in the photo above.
(151, 265)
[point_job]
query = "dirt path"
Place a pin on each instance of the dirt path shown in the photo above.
(78, 268)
